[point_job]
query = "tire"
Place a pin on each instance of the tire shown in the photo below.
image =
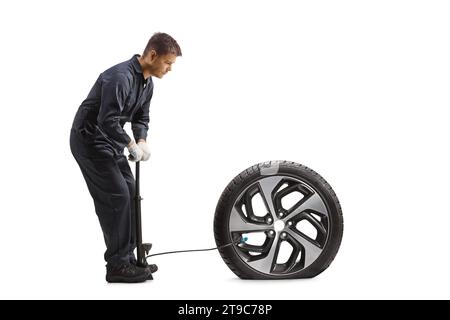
(275, 240)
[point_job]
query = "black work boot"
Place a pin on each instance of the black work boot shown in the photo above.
(128, 273)
(151, 268)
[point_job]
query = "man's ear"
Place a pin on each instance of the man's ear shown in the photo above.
(152, 55)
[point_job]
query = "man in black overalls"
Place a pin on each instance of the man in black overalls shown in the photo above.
(121, 94)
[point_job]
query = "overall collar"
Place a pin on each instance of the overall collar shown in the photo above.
(135, 63)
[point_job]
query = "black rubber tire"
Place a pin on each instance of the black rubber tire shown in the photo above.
(248, 177)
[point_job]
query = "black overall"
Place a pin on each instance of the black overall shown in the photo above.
(97, 140)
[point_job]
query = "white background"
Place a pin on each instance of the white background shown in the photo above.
(356, 90)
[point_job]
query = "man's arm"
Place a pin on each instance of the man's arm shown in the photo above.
(114, 92)
(139, 123)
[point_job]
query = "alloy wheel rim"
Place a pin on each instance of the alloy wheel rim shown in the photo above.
(279, 240)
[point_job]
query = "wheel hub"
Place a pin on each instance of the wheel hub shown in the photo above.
(279, 225)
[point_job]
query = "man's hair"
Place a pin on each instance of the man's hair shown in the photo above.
(163, 44)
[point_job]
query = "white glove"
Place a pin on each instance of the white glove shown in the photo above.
(136, 152)
(145, 149)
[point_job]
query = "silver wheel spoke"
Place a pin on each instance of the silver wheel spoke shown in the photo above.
(311, 251)
(238, 224)
(314, 202)
(265, 264)
(267, 186)
(317, 224)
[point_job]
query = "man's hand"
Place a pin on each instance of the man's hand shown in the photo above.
(136, 152)
(145, 149)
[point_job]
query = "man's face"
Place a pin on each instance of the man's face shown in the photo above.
(161, 64)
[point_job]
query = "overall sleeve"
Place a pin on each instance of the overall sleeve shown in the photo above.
(139, 123)
(114, 93)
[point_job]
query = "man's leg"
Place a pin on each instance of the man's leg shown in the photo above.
(111, 196)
